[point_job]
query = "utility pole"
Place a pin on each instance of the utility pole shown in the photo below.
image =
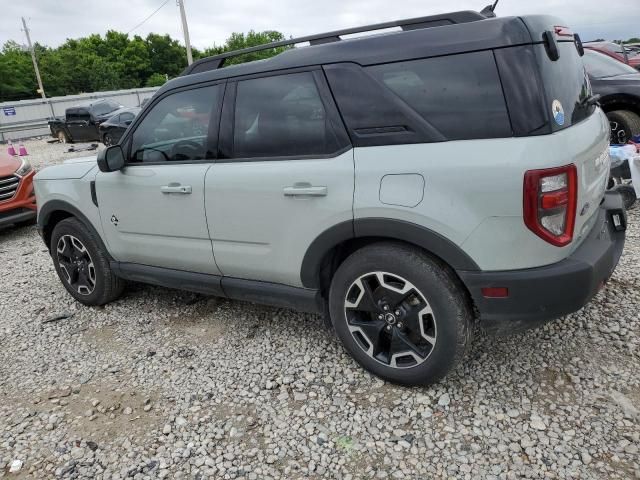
(185, 30)
(33, 59)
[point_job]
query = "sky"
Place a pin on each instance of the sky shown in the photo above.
(211, 22)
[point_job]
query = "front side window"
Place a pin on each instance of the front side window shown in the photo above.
(177, 127)
(460, 95)
(281, 116)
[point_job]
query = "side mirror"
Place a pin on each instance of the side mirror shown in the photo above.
(111, 159)
(128, 122)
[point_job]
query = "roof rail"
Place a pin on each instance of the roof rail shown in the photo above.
(217, 61)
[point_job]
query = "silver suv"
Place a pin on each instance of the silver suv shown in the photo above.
(407, 185)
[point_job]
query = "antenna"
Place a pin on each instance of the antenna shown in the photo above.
(489, 10)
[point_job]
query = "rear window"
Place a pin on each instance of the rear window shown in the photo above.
(460, 95)
(566, 85)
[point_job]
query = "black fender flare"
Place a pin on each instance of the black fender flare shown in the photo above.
(52, 206)
(382, 228)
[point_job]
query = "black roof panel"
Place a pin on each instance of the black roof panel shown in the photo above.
(390, 47)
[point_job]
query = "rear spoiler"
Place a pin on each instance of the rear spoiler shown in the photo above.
(560, 33)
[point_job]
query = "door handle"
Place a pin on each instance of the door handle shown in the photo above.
(305, 190)
(176, 188)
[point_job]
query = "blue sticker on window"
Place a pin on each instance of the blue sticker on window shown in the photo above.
(558, 112)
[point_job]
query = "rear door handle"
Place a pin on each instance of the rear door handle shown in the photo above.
(176, 188)
(305, 190)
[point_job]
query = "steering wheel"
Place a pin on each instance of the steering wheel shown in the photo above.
(187, 150)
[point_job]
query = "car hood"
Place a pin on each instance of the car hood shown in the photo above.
(8, 164)
(627, 79)
(622, 84)
(71, 169)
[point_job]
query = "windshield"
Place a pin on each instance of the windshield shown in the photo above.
(599, 65)
(103, 108)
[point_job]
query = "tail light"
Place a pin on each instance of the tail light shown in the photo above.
(550, 199)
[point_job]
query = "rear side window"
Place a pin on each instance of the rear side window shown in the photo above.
(460, 95)
(566, 85)
(281, 116)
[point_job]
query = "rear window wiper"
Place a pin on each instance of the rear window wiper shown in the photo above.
(590, 100)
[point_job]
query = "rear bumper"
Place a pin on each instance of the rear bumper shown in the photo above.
(22, 207)
(537, 295)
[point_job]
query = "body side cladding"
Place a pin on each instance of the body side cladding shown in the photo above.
(383, 229)
(54, 211)
(266, 293)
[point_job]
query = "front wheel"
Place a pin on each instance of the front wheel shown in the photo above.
(107, 140)
(82, 264)
(400, 314)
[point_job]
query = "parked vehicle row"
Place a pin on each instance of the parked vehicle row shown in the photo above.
(80, 123)
(615, 51)
(103, 121)
(339, 178)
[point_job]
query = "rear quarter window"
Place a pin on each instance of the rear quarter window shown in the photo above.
(460, 95)
(566, 84)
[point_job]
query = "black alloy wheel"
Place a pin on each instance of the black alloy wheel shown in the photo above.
(76, 264)
(390, 319)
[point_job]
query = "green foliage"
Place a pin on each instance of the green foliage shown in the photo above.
(155, 80)
(239, 41)
(111, 62)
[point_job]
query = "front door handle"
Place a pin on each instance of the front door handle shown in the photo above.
(176, 188)
(305, 190)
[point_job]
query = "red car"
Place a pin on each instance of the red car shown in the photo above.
(614, 50)
(17, 198)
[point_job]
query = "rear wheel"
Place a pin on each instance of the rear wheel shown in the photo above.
(82, 264)
(400, 314)
(62, 137)
(624, 125)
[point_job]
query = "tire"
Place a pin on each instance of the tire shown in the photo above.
(95, 283)
(62, 137)
(107, 140)
(624, 125)
(430, 325)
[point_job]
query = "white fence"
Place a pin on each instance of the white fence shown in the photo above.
(28, 118)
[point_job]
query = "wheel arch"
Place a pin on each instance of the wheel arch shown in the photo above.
(53, 212)
(332, 246)
(620, 101)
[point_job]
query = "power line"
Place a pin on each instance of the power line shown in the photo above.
(143, 21)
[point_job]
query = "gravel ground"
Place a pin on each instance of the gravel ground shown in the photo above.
(168, 384)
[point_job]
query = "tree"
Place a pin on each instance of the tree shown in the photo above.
(111, 62)
(155, 80)
(239, 41)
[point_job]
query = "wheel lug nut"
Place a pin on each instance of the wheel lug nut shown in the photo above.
(397, 312)
(400, 325)
(380, 317)
(388, 327)
(385, 307)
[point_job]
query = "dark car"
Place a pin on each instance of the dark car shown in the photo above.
(619, 88)
(111, 130)
(80, 123)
